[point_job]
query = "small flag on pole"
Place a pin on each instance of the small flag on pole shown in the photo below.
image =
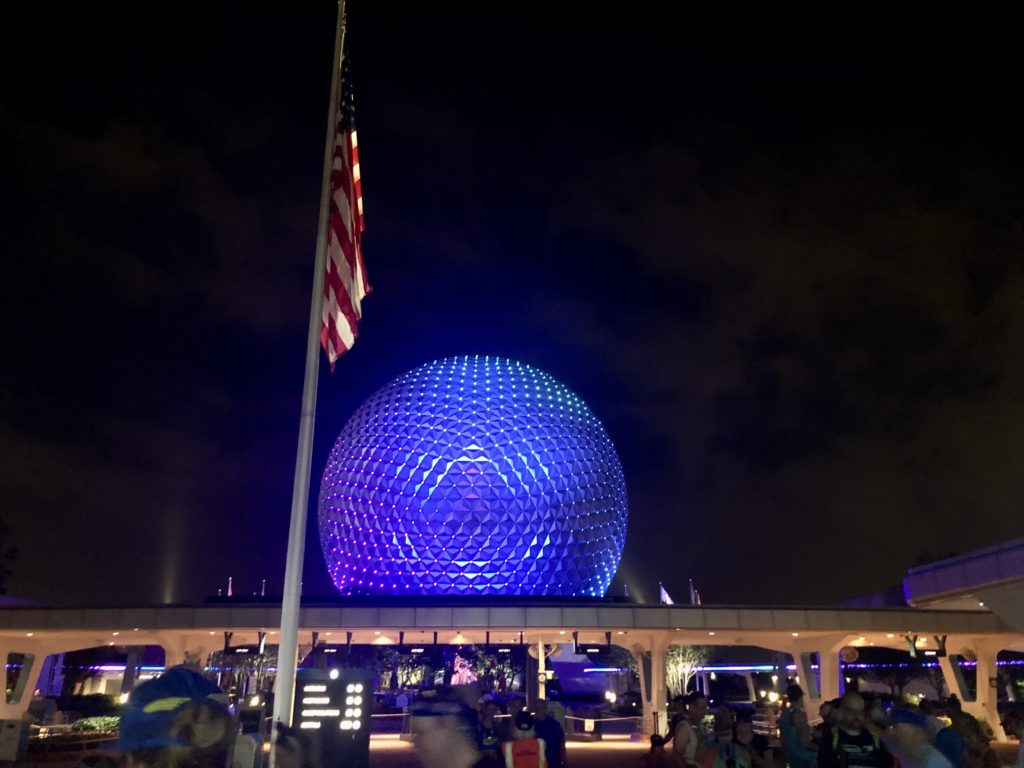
(694, 594)
(345, 283)
(664, 596)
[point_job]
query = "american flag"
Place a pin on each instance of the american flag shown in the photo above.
(345, 283)
(663, 596)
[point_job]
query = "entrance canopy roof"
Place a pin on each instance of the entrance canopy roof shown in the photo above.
(502, 621)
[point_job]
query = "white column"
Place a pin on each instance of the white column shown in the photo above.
(174, 647)
(805, 670)
(21, 694)
(954, 678)
(651, 649)
(829, 672)
(130, 667)
(659, 690)
(748, 677)
(983, 706)
(640, 652)
(827, 647)
(542, 675)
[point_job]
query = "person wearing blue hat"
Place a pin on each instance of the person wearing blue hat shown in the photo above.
(909, 731)
(177, 720)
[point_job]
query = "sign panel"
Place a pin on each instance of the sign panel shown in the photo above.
(332, 707)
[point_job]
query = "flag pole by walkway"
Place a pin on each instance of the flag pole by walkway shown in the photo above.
(288, 648)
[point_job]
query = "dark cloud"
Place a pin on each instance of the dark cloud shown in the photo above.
(779, 258)
(853, 326)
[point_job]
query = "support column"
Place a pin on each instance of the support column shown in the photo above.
(130, 667)
(805, 669)
(954, 678)
(649, 652)
(659, 688)
(643, 664)
(21, 693)
(175, 649)
(829, 674)
(748, 678)
(827, 647)
(542, 675)
(983, 706)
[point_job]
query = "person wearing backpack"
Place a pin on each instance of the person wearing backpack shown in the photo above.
(688, 736)
(798, 749)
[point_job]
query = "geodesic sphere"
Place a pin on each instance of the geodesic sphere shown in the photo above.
(473, 475)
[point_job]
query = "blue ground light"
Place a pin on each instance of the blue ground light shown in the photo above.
(473, 475)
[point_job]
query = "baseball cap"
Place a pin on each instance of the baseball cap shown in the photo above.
(147, 717)
(524, 721)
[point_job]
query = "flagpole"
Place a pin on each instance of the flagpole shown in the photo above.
(288, 648)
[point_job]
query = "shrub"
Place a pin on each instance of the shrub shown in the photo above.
(96, 724)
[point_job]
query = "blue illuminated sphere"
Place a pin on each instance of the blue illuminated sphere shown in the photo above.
(473, 476)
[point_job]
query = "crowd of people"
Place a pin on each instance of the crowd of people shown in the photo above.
(855, 731)
(450, 734)
(731, 742)
(181, 720)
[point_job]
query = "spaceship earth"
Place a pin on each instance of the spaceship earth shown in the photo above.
(473, 476)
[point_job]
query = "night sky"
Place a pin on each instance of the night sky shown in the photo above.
(780, 253)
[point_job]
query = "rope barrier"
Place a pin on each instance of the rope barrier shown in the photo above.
(602, 719)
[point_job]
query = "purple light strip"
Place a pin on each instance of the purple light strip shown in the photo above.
(724, 668)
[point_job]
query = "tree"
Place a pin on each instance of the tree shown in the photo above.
(497, 671)
(895, 676)
(617, 656)
(400, 670)
(682, 663)
(933, 674)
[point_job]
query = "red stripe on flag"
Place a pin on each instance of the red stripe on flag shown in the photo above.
(345, 281)
(341, 296)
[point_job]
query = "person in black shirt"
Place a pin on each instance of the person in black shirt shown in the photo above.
(829, 713)
(547, 728)
(849, 744)
(757, 744)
